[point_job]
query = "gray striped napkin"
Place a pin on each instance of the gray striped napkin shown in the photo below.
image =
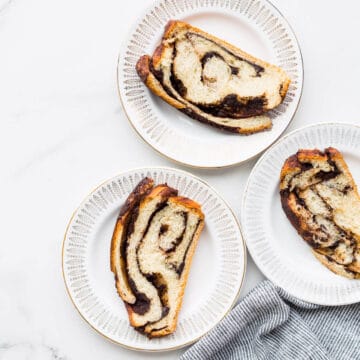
(270, 324)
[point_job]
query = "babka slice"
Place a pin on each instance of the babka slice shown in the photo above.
(152, 246)
(320, 198)
(213, 81)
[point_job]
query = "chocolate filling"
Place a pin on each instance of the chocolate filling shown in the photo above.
(258, 69)
(158, 329)
(159, 283)
(179, 269)
(234, 70)
(141, 329)
(321, 175)
(157, 73)
(307, 235)
(178, 240)
(171, 228)
(327, 175)
(230, 105)
(159, 207)
(208, 56)
(142, 303)
(314, 240)
(305, 166)
(344, 268)
(317, 234)
(176, 83)
(324, 201)
(163, 229)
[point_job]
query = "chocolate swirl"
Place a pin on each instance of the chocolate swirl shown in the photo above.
(321, 201)
(212, 81)
(153, 238)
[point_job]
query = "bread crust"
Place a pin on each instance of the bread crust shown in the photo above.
(143, 69)
(334, 267)
(324, 173)
(252, 120)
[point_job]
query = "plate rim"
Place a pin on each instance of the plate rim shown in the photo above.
(237, 222)
(245, 193)
(179, 162)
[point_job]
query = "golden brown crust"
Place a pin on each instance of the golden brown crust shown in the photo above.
(255, 129)
(162, 190)
(157, 55)
(142, 67)
(188, 203)
(290, 166)
(293, 163)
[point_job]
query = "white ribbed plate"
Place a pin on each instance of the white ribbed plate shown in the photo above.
(255, 26)
(280, 253)
(215, 278)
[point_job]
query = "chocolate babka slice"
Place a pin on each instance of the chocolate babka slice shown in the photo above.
(212, 81)
(321, 200)
(153, 243)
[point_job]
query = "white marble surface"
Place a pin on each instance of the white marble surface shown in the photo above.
(62, 131)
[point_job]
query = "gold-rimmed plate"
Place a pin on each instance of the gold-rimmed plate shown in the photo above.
(216, 273)
(274, 244)
(257, 27)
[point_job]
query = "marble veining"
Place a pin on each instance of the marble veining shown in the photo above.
(62, 133)
(4, 5)
(25, 350)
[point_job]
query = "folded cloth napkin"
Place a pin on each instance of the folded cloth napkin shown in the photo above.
(271, 324)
